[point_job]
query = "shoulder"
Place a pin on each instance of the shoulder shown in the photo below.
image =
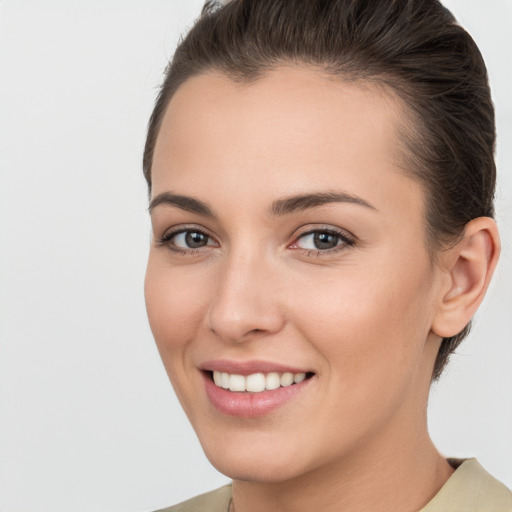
(213, 501)
(471, 489)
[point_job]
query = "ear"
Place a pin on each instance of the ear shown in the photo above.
(468, 268)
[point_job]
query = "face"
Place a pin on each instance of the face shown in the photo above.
(289, 259)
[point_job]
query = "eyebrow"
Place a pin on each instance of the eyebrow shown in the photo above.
(186, 203)
(306, 201)
(280, 207)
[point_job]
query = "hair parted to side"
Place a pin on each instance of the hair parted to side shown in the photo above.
(414, 48)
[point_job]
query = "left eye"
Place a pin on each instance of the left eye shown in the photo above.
(321, 240)
(191, 240)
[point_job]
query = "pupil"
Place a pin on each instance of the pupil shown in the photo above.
(325, 240)
(195, 239)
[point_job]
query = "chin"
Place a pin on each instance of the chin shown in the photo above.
(249, 470)
(254, 462)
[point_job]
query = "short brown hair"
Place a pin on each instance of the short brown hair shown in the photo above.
(415, 48)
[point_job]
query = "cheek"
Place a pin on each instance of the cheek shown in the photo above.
(367, 324)
(175, 306)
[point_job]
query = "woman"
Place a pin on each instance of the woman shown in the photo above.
(321, 180)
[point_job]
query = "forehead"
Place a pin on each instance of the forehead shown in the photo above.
(295, 127)
(294, 102)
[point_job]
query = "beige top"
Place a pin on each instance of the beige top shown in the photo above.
(469, 489)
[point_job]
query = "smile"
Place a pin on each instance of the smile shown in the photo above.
(256, 382)
(254, 389)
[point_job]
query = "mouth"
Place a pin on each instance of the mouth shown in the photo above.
(252, 394)
(256, 382)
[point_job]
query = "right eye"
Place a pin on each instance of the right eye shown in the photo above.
(187, 240)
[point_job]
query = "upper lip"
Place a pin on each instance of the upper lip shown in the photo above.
(248, 367)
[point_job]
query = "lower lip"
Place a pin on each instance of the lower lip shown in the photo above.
(251, 405)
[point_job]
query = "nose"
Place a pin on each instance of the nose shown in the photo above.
(246, 304)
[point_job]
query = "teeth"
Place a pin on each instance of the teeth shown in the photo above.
(236, 383)
(224, 380)
(273, 381)
(256, 382)
(299, 377)
(287, 379)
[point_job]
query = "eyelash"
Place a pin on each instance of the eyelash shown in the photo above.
(167, 238)
(345, 241)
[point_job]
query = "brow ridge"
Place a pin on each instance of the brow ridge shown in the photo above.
(186, 203)
(305, 201)
(280, 207)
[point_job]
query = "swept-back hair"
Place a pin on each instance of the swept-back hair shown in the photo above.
(413, 48)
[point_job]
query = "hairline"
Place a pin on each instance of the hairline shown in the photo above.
(407, 121)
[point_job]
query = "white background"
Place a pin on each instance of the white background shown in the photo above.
(88, 421)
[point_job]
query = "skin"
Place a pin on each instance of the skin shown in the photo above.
(366, 317)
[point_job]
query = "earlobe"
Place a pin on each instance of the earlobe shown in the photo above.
(469, 266)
